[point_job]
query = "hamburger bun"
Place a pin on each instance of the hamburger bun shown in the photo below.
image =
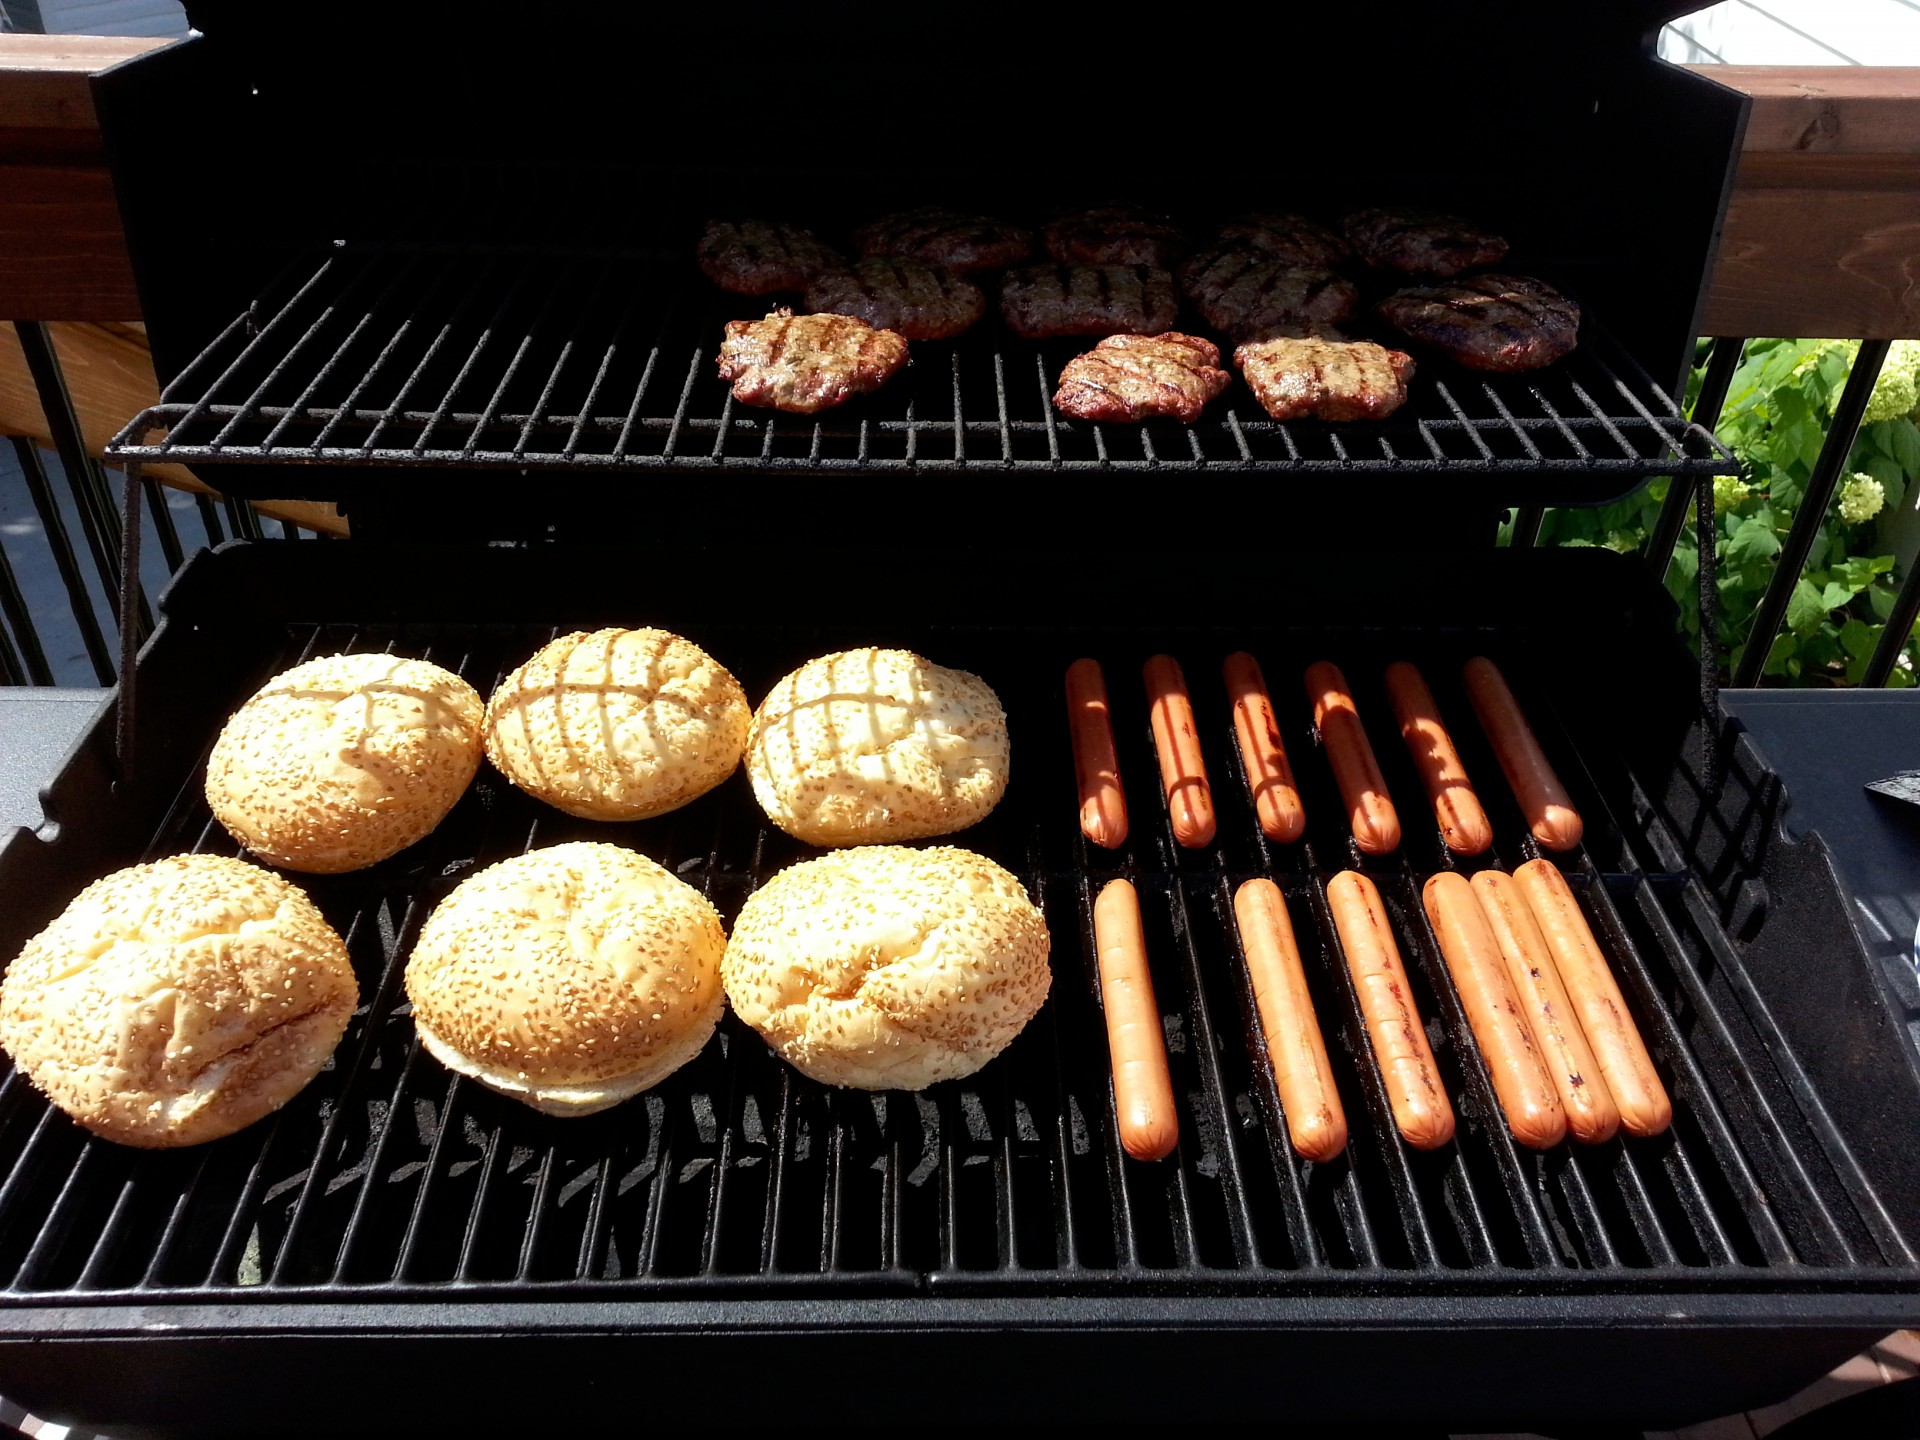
(618, 724)
(877, 745)
(338, 763)
(570, 978)
(177, 1002)
(886, 968)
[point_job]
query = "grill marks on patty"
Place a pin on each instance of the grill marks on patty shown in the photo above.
(909, 297)
(807, 363)
(1249, 295)
(759, 257)
(963, 243)
(1115, 235)
(1286, 237)
(1421, 242)
(1138, 377)
(1497, 323)
(1325, 378)
(1047, 300)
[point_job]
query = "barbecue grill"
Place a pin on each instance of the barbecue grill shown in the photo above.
(518, 351)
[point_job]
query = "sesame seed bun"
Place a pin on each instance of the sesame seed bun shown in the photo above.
(177, 1002)
(338, 763)
(618, 724)
(885, 968)
(875, 745)
(570, 978)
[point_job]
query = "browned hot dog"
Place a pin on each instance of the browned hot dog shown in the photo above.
(1103, 804)
(1463, 824)
(1592, 1115)
(1499, 1020)
(1399, 1042)
(1543, 799)
(1316, 1122)
(1645, 1108)
(1376, 825)
(1182, 771)
(1276, 799)
(1142, 1087)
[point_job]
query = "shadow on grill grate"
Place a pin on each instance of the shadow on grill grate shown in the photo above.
(403, 354)
(738, 1173)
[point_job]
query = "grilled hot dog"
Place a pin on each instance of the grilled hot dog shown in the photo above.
(1499, 1020)
(1276, 799)
(1376, 825)
(1182, 770)
(1096, 765)
(1543, 799)
(1421, 1110)
(1463, 824)
(1142, 1086)
(1316, 1122)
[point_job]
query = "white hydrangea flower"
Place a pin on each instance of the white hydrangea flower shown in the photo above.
(1728, 492)
(1861, 498)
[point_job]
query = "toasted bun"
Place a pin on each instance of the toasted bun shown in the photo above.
(885, 968)
(341, 762)
(618, 724)
(870, 745)
(570, 978)
(179, 1001)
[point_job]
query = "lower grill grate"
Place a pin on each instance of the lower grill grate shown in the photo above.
(444, 356)
(389, 1175)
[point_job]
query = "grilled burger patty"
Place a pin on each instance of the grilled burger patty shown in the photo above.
(758, 257)
(909, 297)
(1136, 377)
(1421, 242)
(961, 242)
(1249, 295)
(807, 363)
(1287, 237)
(1327, 379)
(1115, 235)
(1489, 322)
(1044, 300)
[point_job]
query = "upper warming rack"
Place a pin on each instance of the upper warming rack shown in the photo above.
(576, 358)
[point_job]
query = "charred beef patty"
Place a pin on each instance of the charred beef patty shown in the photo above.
(1115, 235)
(1489, 322)
(1138, 377)
(758, 257)
(806, 363)
(1045, 300)
(1421, 242)
(909, 297)
(1286, 237)
(1327, 379)
(961, 242)
(1249, 295)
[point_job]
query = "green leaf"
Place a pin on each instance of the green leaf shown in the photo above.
(1805, 611)
(1835, 594)
(1821, 650)
(1753, 539)
(1858, 638)
(1880, 601)
(1861, 571)
(1785, 646)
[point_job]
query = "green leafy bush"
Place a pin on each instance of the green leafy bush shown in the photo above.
(1775, 420)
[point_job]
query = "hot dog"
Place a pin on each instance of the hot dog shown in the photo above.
(1399, 1042)
(1592, 1115)
(1316, 1122)
(1182, 770)
(1142, 1086)
(1494, 1010)
(1645, 1108)
(1463, 824)
(1096, 765)
(1276, 799)
(1543, 799)
(1376, 825)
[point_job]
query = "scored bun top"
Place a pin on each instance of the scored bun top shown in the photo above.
(618, 724)
(177, 1002)
(884, 967)
(568, 969)
(875, 744)
(340, 762)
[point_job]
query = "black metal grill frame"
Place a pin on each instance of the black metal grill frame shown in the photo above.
(544, 357)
